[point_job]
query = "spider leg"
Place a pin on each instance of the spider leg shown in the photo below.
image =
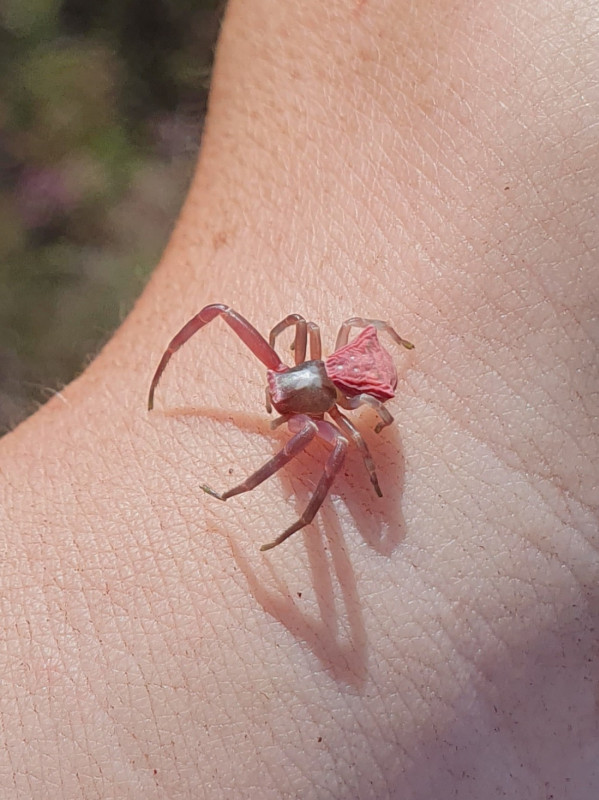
(333, 465)
(368, 400)
(315, 343)
(301, 335)
(293, 448)
(268, 404)
(246, 332)
(350, 430)
(277, 421)
(361, 322)
(303, 329)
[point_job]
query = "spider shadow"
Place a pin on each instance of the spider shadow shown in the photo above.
(341, 649)
(245, 421)
(332, 625)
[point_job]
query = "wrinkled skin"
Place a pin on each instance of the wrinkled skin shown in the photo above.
(429, 164)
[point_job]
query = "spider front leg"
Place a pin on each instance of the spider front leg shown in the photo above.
(245, 330)
(362, 322)
(302, 329)
(315, 343)
(301, 335)
(368, 400)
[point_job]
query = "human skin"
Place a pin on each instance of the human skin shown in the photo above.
(429, 164)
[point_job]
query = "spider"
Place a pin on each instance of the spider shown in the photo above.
(357, 373)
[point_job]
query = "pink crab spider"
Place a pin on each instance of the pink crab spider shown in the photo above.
(358, 373)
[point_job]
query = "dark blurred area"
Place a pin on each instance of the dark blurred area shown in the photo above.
(101, 110)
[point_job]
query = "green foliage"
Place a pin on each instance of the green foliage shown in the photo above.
(101, 106)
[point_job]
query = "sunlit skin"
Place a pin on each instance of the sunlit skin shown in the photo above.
(359, 373)
(434, 165)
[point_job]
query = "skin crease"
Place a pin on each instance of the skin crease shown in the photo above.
(429, 164)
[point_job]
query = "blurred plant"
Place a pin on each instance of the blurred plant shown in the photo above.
(101, 106)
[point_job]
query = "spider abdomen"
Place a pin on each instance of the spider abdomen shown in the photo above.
(303, 389)
(363, 367)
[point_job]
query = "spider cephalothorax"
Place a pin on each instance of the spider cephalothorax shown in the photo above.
(357, 373)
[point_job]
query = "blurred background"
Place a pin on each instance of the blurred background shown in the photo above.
(101, 110)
